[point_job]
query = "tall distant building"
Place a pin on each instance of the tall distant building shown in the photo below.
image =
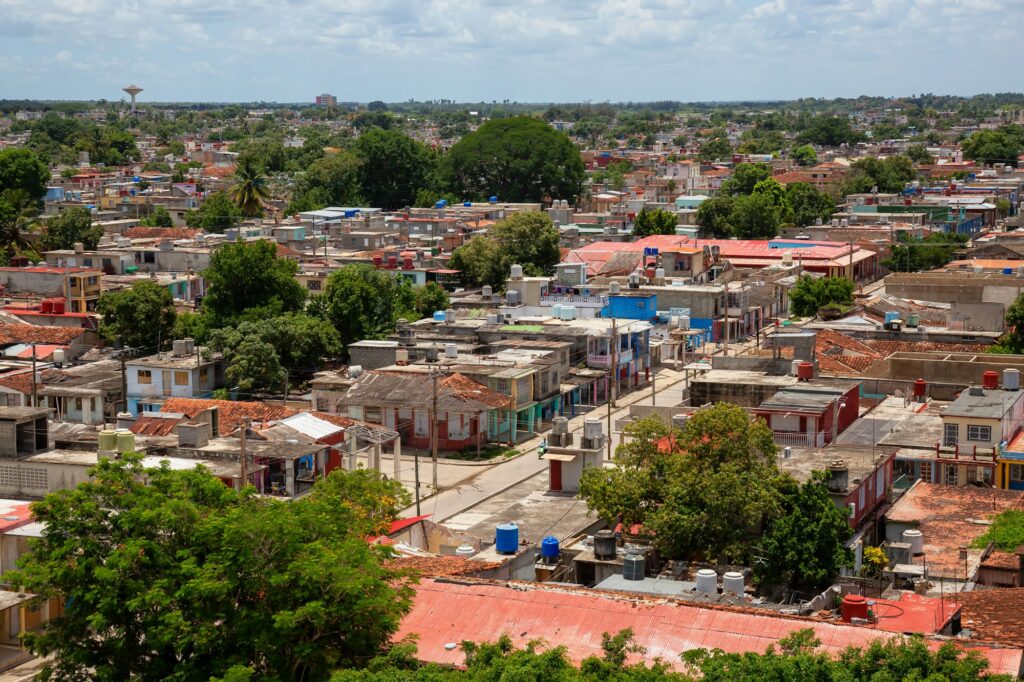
(326, 100)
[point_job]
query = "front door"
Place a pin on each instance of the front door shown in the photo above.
(555, 476)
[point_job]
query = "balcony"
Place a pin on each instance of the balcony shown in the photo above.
(603, 361)
(570, 299)
(799, 439)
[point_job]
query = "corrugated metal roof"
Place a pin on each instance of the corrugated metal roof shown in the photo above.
(311, 426)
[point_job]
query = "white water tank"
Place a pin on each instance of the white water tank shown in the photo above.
(592, 428)
(614, 288)
(915, 539)
(707, 581)
(1011, 377)
(517, 272)
(732, 582)
(659, 273)
(787, 258)
(794, 368)
(59, 358)
(683, 321)
(451, 350)
(465, 551)
(487, 291)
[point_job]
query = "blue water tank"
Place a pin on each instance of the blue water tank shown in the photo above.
(506, 538)
(549, 547)
(439, 204)
(892, 315)
(438, 316)
(1007, 271)
(494, 199)
(467, 204)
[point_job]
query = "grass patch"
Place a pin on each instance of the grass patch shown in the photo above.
(486, 454)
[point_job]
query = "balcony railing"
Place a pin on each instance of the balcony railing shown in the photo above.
(584, 301)
(601, 360)
(799, 439)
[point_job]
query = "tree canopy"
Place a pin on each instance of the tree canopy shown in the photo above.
(139, 317)
(914, 254)
(654, 221)
(70, 226)
(811, 294)
(21, 169)
(171, 575)
(986, 147)
(888, 175)
(247, 279)
(1013, 340)
(393, 167)
(516, 159)
(216, 214)
(332, 180)
(744, 177)
(529, 239)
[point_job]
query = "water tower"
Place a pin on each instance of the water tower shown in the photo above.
(133, 90)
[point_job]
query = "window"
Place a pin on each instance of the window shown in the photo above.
(149, 257)
(1017, 472)
(313, 285)
(204, 374)
(976, 432)
(92, 280)
(951, 474)
(145, 376)
(950, 434)
(78, 404)
(926, 472)
(87, 262)
(181, 378)
(372, 414)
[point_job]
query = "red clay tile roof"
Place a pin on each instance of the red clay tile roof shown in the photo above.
(11, 333)
(435, 566)
(230, 412)
(22, 381)
(161, 233)
(995, 615)
(148, 425)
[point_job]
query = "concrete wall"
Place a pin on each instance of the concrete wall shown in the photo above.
(959, 369)
(745, 395)
(955, 287)
(985, 315)
(935, 390)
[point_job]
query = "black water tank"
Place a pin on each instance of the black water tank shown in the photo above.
(633, 567)
(604, 544)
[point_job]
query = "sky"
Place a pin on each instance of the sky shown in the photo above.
(520, 50)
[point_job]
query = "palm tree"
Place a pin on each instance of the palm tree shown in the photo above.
(17, 217)
(250, 188)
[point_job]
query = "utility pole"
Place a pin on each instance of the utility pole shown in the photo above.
(613, 370)
(124, 381)
(416, 469)
(725, 346)
(243, 455)
(35, 396)
(433, 430)
(653, 391)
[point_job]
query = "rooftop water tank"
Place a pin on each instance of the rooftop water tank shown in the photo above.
(732, 582)
(854, 606)
(465, 551)
(915, 539)
(683, 321)
(707, 581)
(1011, 378)
(659, 273)
(438, 316)
(59, 357)
(549, 549)
(125, 441)
(108, 440)
(990, 379)
(805, 371)
(451, 350)
(517, 272)
(892, 315)
(592, 428)
(487, 291)
(604, 544)
(614, 288)
(493, 200)
(506, 538)
(449, 315)
(633, 567)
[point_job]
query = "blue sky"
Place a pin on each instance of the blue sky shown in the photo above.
(525, 50)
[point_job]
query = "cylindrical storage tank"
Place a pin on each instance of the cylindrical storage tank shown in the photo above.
(506, 538)
(684, 321)
(990, 379)
(913, 319)
(125, 441)
(604, 544)
(378, 261)
(59, 357)
(108, 440)
(920, 389)
(659, 273)
(465, 551)
(1007, 271)
(915, 539)
(614, 288)
(58, 306)
(892, 315)
(805, 371)
(732, 582)
(392, 262)
(438, 316)
(449, 315)
(649, 273)
(707, 581)
(592, 428)
(854, 606)
(1011, 377)
(46, 306)
(633, 567)
(549, 548)
(125, 420)
(794, 368)
(451, 350)
(487, 291)
(517, 272)
(407, 263)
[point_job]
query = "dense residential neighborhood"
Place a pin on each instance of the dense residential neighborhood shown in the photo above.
(424, 390)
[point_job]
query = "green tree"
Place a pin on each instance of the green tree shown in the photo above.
(810, 294)
(656, 221)
(70, 226)
(17, 218)
(159, 217)
(249, 191)
(745, 177)
(330, 181)
(248, 279)
(1006, 532)
(216, 214)
(804, 546)
(393, 167)
(255, 368)
(21, 169)
(918, 153)
(517, 159)
(914, 254)
(805, 155)
(715, 149)
(138, 316)
(363, 302)
(173, 575)
(754, 216)
(429, 298)
(527, 238)
(992, 146)
(829, 131)
(713, 216)
(697, 490)
(888, 175)
(808, 203)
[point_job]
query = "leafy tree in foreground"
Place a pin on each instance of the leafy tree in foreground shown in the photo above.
(17, 218)
(744, 178)
(657, 221)
(158, 218)
(329, 181)
(248, 279)
(713, 216)
(805, 155)
(529, 239)
(138, 316)
(808, 204)
(913, 254)
(517, 159)
(810, 294)
(1013, 340)
(21, 169)
(429, 298)
(70, 226)
(993, 146)
(171, 575)
(393, 167)
(755, 216)
(216, 214)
